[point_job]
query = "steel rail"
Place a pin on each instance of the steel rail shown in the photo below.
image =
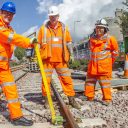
(70, 122)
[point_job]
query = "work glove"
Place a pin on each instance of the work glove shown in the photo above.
(71, 59)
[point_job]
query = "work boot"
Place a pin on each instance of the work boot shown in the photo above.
(22, 121)
(90, 98)
(73, 103)
(106, 102)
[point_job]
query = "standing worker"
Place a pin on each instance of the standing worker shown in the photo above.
(8, 38)
(56, 50)
(103, 50)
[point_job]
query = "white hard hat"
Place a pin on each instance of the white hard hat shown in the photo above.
(52, 11)
(102, 23)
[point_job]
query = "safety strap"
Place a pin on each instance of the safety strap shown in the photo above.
(13, 100)
(7, 84)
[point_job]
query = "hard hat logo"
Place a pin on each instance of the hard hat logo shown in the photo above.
(52, 11)
(102, 23)
(9, 7)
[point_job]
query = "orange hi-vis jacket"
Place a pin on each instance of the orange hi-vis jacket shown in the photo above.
(54, 43)
(103, 53)
(8, 38)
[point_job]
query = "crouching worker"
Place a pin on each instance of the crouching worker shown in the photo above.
(103, 50)
(8, 38)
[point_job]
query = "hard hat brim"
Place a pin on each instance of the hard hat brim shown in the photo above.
(103, 26)
(53, 14)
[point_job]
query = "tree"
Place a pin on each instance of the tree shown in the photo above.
(123, 22)
(19, 53)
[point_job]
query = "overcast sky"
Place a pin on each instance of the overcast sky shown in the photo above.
(79, 15)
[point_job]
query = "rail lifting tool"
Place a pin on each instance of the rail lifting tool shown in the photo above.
(56, 120)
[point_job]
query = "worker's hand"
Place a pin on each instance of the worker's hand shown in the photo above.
(33, 40)
(71, 60)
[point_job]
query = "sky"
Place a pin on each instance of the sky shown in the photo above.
(79, 15)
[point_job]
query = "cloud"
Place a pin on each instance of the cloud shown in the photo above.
(84, 11)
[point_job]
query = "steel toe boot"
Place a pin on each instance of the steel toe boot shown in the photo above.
(90, 98)
(22, 121)
(106, 102)
(73, 103)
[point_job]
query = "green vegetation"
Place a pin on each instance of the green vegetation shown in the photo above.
(80, 64)
(19, 53)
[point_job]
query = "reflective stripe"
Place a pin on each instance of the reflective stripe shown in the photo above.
(2, 28)
(7, 84)
(115, 52)
(62, 69)
(57, 45)
(91, 79)
(90, 84)
(13, 101)
(45, 33)
(104, 57)
(126, 65)
(48, 75)
(114, 57)
(107, 86)
(101, 58)
(105, 81)
(2, 58)
(69, 43)
(10, 37)
(64, 74)
(100, 53)
(48, 70)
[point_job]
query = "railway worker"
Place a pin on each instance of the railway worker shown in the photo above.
(8, 38)
(56, 51)
(103, 50)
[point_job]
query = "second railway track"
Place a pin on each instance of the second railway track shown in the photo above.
(93, 114)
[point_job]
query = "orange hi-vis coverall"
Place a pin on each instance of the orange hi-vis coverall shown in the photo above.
(103, 53)
(8, 38)
(55, 55)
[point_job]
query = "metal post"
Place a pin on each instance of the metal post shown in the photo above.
(75, 39)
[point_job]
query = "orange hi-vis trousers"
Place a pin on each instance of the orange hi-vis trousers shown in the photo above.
(10, 90)
(63, 74)
(104, 81)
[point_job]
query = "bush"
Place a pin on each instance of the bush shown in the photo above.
(80, 64)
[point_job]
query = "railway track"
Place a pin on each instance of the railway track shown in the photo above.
(92, 114)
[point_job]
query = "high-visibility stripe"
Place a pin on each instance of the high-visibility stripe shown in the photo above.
(2, 28)
(7, 84)
(91, 79)
(10, 37)
(48, 70)
(64, 74)
(115, 52)
(101, 58)
(126, 65)
(90, 84)
(48, 75)
(107, 86)
(2, 58)
(100, 53)
(57, 45)
(62, 69)
(51, 39)
(105, 81)
(13, 101)
(45, 34)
